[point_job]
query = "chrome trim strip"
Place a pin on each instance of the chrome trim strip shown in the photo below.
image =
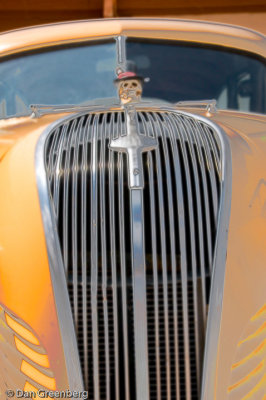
(65, 202)
(174, 275)
(139, 295)
(84, 231)
(94, 254)
(74, 222)
(123, 271)
(53, 145)
(104, 262)
(58, 158)
(173, 248)
(164, 256)
(155, 277)
(58, 277)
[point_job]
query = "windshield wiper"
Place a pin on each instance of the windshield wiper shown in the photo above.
(208, 105)
(37, 110)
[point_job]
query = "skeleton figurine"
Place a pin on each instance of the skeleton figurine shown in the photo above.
(129, 87)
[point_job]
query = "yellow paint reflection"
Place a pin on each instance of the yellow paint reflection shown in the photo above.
(259, 313)
(258, 332)
(260, 385)
(247, 377)
(37, 376)
(38, 358)
(255, 352)
(20, 330)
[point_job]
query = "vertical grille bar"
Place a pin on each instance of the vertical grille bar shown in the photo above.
(155, 276)
(94, 256)
(113, 259)
(66, 197)
(104, 253)
(58, 168)
(53, 159)
(74, 224)
(84, 228)
(139, 295)
(123, 273)
(50, 161)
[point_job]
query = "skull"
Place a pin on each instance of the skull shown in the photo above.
(129, 90)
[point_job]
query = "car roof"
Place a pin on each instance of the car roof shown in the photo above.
(154, 28)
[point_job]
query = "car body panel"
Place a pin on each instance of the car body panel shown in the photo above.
(25, 282)
(25, 277)
(244, 288)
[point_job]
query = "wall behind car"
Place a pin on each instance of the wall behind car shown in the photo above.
(19, 13)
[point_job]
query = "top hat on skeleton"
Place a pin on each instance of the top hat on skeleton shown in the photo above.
(129, 73)
(129, 84)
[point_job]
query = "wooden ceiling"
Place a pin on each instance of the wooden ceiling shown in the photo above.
(19, 13)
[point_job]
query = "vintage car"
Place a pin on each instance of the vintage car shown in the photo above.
(133, 211)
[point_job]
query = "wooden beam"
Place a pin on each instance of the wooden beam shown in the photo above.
(128, 8)
(109, 8)
(163, 6)
(50, 5)
(18, 19)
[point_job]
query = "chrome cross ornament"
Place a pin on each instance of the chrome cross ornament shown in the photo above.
(134, 144)
(129, 87)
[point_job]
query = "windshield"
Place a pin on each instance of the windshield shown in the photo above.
(62, 75)
(181, 72)
(173, 71)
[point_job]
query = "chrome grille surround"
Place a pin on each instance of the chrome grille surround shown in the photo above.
(178, 209)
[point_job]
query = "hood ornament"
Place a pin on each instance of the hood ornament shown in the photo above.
(129, 87)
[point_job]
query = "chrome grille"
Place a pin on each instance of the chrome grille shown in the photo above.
(91, 201)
